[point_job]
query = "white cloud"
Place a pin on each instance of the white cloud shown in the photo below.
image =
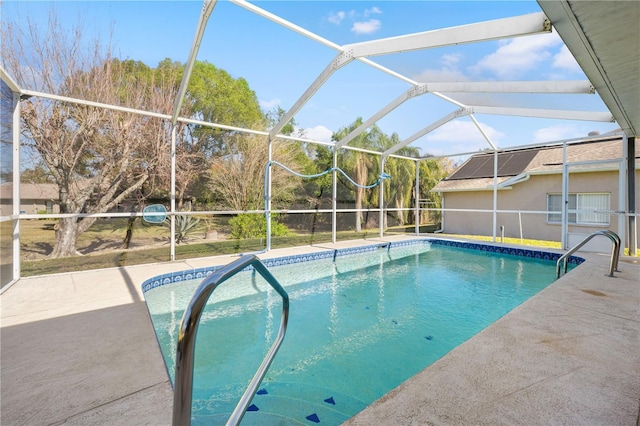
(336, 18)
(438, 75)
(360, 22)
(373, 11)
(556, 133)
(366, 27)
(460, 136)
(268, 104)
(448, 72)
(318, 133)
(517, 56)
(451, 59)
(565, 60)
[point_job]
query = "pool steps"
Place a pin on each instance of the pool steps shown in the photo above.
(615, 252)
(185, 351)
(278, 402)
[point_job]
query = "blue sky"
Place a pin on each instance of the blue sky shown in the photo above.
(279, 64)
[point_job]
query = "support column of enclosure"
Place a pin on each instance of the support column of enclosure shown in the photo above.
(334, 195)
(622, 166)
(631, 195)
(173, 193)
(381, 213)
(15, 139)
(565, 197)
(495, 173)
(495, 194)
(416, 216)
(622, 195)
(205, 13)
(267, 194)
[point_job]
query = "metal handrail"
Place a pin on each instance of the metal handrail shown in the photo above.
(183, 386)
(615, 252)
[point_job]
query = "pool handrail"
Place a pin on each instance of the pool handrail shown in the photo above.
(615, 252)
(183, 382)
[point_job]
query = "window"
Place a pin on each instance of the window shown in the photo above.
(584, 209)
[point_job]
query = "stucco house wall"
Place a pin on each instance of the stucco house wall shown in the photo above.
(530, 195)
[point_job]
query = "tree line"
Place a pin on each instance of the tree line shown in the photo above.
(100, 158)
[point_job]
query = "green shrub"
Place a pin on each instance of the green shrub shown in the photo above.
(255, 226)
(184, 225)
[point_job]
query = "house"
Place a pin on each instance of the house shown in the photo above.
(529, 192)
(34, 198)
(39, 198)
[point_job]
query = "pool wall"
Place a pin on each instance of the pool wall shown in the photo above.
(199, 273)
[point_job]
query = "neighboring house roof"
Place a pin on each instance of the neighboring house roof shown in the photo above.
(31, 191)
(477, 172)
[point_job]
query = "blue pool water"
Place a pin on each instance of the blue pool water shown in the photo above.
(359, 326)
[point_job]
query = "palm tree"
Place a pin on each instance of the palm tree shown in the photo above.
(431, 172)
(364, 169)
(397, 191)
(358, 164)
(403, 178)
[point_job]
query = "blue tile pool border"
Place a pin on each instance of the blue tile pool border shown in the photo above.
(200, 273)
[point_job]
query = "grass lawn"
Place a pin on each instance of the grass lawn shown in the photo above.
(518, 241)
(524, 242)
(101, 245)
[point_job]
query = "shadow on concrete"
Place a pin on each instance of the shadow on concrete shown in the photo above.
(61, 367)
(131, 286)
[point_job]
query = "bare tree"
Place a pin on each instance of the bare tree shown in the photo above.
(237, 177)
(97, 157)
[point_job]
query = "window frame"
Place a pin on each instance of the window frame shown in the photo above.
(576, 217)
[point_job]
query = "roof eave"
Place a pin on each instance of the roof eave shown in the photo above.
(478, 189)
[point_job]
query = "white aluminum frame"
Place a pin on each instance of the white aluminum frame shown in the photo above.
(536, 23)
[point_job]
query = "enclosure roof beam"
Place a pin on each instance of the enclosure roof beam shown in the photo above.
(412, 92)
(338, 62)
(284, 23)
(95, 104)
(545, 113)
(502, 28)
(207, 8)
(484, 134)
(534, 23)
(433, 126)
(4, 76)
(341, 49)
(161, 116)
(278, 20)
(542, 87)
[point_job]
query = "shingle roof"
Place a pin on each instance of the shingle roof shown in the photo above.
(477, 172)
(466, 184)
(550, 159)
(31, 191)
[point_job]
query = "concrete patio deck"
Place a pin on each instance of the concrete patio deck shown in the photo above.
(79, 349)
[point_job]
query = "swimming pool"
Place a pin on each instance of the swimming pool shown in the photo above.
(362, 321)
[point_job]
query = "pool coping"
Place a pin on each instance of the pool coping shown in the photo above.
(200, 273)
